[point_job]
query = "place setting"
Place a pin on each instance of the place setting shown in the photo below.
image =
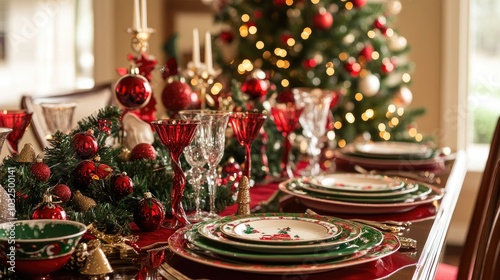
(276, 243)
(353, 193)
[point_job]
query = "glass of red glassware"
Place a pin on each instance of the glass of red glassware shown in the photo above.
(18, 121)
(176, 134)
(246, 126)
(285, 116)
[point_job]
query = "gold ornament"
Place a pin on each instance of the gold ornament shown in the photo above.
(243, 199)
(97, 264)
(125, 245)
(78, 258)
(27, 154)
(124, 154)
(82, 202)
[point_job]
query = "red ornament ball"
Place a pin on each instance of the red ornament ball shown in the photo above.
(41, 171)
(84, 173)
(133, 91)
(62, 191)
(143, 151)
(149, 213)
(323, 19)
(48, 210)
(286, 96)
(380, 23)
(85, 144)
(387, 66)
(103, 171)
(255, 88)
(358, 3)
(366, 53)
(177, 96)
(122, 185)
(227, 36)
(353, 68)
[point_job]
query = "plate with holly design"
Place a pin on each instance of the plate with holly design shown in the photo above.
(280, 228)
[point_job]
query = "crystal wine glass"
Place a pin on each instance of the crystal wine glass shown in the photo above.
(197, 158)
(58, 116)
(214, 133)
(246, 126)
(3, 134)
(176, 135)
(316, 103)
(18, 121)
(285, 116)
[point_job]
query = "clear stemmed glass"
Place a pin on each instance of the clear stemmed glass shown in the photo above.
(196, 156)
(3, 134)
(316, 103)
(58, 116)
(215, 124)
(18, 121)
(246, 126)
(285, 116)
(176, 135)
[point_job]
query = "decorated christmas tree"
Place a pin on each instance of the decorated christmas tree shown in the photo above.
(350, 46)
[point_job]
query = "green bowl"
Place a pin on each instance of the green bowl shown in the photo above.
(38, 247)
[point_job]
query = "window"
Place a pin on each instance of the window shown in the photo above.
(45, 48)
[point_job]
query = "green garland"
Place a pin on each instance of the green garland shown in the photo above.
(111, 214)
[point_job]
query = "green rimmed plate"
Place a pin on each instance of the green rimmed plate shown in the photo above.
(354, 182)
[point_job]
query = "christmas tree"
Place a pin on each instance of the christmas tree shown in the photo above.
(347, 46)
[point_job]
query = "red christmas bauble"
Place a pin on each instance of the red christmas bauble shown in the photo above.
(133, 91)
(387, 66)
(285, 37)
(62, 191)
(122, 185)
(285, 96)
(380, 23)
(149, 213)
(227, 36)
(48, 210)
(323, 19)
(366, 53)
(309, 63)
(85, 144)
(353, 68)
(84, 173)
(143, 151)
(177, 96)
(358, 3)
(255, 88)
(103, 171)
(41, 171)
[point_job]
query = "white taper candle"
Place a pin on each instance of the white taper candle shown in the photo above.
(144, 15)
(136, 17)
(196, 48)
(208, 53)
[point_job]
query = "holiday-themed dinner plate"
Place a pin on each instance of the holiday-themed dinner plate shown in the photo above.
(280, 229)
(393, 149)
(408, 188)
(368, 239)
(356, 182)
(179, 245)
(293, 188)
(211, 231)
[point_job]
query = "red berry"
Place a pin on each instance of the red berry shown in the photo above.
(143, 151)
(62, 191)
(41, 171)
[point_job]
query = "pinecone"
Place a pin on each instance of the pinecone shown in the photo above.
(78, 258)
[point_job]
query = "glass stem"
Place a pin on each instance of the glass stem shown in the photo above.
(212, 181)
(248, 161)
(285, 160)
(314, 152)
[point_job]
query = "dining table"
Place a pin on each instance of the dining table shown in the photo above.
(429, 227)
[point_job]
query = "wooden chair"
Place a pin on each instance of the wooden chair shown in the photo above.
(89, 101)
(483, 221)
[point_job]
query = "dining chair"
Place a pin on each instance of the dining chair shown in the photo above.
(88, 101)
(483, 222)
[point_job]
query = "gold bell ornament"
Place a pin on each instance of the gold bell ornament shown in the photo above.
(97, 265)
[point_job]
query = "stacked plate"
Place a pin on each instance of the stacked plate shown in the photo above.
(360, 193)
(282, 242)
(388, 155)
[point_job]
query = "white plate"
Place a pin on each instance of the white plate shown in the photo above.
(335, 206)
(350, 231)
(355, 182)
(178, 245)
(393, 149)
(408, 188)
(280, 229)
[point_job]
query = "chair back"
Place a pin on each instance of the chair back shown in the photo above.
(483, 214)
(88, 101)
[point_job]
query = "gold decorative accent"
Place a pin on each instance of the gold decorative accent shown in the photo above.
(243, 199)
(27, 154)
(82, 202)
(97, 264)
(139, 42)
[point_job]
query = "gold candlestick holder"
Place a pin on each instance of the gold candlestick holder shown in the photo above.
(139, 41)
(201, 80)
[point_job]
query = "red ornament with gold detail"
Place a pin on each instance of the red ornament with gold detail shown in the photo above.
(133, 91)
(143, 151)
(85, 144)
(149, 214)
(255, 88)
(48, 210)
(122, 185)
(62, 192)
(177, 96)
(84, 173)
(323, 19)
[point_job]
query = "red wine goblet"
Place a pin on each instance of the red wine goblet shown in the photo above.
(176, 135)
(18, 121)
(246, 126)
